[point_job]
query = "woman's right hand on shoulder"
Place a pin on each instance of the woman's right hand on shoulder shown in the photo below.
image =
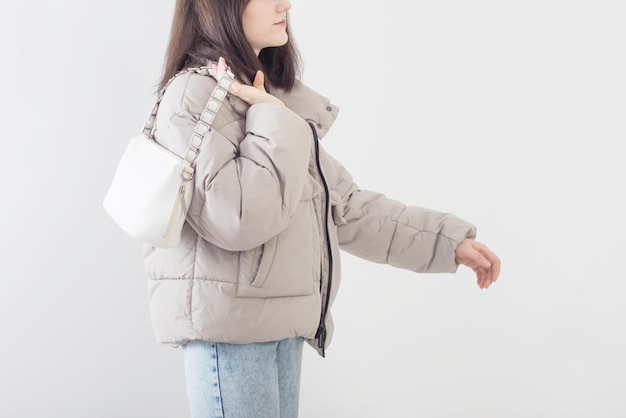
(250, 94)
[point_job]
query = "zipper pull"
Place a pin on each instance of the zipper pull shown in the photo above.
(183, 189)
(321, 339)
(321, 336)
(179, 208)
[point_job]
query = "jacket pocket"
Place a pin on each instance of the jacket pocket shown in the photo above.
(337, 208)
(254, 263)
(286, 265)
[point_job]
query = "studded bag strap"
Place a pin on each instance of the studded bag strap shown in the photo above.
(204, 122)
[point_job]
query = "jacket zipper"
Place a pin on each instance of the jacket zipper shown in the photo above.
(178, 204)
(322, 333)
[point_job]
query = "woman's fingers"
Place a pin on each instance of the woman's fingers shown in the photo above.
(482, 277)
(220, 69)
(484, 262)
(221, 66)
(493, 260)
(259, 80)
(255, 93)
(467, 253)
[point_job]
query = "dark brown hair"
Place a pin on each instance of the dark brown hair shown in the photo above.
(204, 30)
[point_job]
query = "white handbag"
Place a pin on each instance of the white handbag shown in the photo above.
(152, 187)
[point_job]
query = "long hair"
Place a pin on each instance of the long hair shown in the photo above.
(204, 30)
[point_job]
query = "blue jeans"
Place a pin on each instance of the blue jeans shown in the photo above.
(260, 380)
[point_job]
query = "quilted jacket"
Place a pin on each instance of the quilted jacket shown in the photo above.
(259, 258)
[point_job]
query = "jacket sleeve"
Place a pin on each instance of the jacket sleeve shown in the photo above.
(247, 192)
(383, 230)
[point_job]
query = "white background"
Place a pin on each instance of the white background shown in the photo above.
(509, 114)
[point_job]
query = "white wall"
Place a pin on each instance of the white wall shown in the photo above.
(508, 114)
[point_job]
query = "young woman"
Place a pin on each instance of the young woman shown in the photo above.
(257, 268)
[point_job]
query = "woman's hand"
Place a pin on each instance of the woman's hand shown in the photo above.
(479, 258)
(250, 94)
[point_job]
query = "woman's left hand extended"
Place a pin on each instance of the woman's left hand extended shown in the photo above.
(479, 258)
(250, 94)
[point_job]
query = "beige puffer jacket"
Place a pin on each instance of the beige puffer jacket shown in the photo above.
(259, 257)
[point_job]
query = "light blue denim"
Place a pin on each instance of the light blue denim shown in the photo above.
(260, 380)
